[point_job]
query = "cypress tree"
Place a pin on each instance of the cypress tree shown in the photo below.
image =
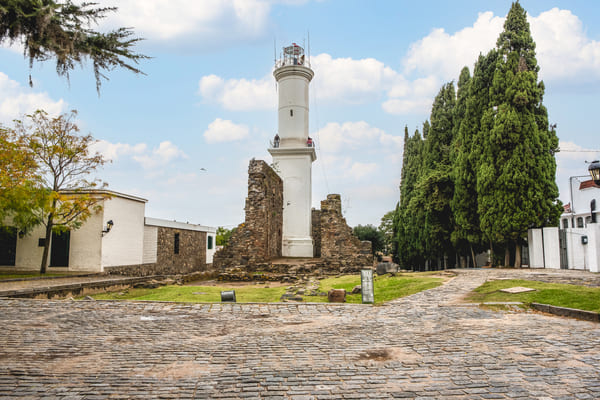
(406, 233)
(435, 189)
(516, 171)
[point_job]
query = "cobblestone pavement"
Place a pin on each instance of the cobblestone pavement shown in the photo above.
(425, 346)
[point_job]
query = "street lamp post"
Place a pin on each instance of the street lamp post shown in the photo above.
(594, 170)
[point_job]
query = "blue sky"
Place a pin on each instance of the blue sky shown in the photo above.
(182, 135)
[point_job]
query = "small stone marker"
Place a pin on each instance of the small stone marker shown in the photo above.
(517, 289)
(337, 296)
(366, 283)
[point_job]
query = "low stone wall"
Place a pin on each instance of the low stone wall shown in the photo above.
(190, 256)
(258, 239)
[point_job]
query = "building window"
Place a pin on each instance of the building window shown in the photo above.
(8, 246)
(176, 243)
(210, 242)
(291, 113)
(565, 222)
(580, 222)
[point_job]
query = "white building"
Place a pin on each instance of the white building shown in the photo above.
(118, 238)
(576, 244)
(293, 151)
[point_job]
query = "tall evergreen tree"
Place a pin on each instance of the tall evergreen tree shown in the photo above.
(406, 233)
(435, 188)
(516, 171)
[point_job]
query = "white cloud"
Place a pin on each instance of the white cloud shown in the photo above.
(563, 48)
(349, 80)
(208, 22)
(239, 94)
(16, 100)
(112, 151)
(360, 170)
(160, 156)
(221, 130)
(334, 136)
(444, 55)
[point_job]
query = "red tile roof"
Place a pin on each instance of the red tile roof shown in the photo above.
(587, 184)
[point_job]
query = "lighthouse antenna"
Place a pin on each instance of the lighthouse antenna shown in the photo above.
(308, 58)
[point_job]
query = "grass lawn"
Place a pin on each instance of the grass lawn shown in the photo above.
(561, 295)
(197, 294)
(386, 288)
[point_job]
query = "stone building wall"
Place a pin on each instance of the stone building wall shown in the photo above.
(316, 232)
(258, 239)
(338, 243)
(191, 256)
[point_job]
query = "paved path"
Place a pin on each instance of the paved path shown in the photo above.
(424, 346)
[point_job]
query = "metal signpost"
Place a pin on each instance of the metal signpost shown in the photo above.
(366, 284)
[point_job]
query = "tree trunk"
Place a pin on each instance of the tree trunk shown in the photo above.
(491, 255)
(506, 257)
(473, 257)
(517, 255)
(47, 244)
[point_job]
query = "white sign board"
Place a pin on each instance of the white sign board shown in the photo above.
(366, 285)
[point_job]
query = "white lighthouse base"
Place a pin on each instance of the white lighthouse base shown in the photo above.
(297, 247)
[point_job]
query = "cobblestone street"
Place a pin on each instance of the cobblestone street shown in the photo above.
(425, 346)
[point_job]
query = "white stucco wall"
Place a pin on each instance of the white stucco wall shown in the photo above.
(150, 244)
(29, 254)
(593, 247)
(576, 251)
(211, 252)
(124, 244)
(536, 248)
(551, 248)
(85, 249)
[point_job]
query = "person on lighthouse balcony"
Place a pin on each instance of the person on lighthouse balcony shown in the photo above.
(276, 140)
(309, 142)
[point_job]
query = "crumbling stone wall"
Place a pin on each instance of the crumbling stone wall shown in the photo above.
(338, 243)
(316, 232)
(258, 239)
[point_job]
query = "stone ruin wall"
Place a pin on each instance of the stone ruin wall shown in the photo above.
(256, 242)
(338, 245)
(258, 239)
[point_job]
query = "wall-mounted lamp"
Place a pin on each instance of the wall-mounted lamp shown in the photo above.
(109, 226)
(594, 170)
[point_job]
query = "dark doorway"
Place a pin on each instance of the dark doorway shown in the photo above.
(8, 246)
(59, 256)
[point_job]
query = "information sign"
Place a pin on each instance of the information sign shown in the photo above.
(366, 285)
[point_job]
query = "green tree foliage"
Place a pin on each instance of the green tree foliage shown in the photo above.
(63, 163)
(484, 171)
(516, 171)
(20, 192)
(369, 232)
(386, 227)
(223, 235)
(61, 30)
(407, 233)
(434, 190)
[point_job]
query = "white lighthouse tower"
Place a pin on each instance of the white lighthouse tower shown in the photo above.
(293, 151)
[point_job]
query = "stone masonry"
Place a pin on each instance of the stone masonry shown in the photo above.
(258, 239)
(257, 242)
(337, 244)
(190, 257)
